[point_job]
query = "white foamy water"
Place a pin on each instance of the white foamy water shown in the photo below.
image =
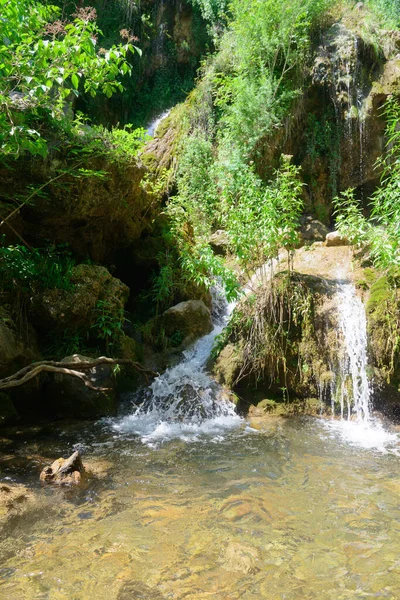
(355, 387)
(185, 402)
(351, 387)
(370, 435)
(152, 127)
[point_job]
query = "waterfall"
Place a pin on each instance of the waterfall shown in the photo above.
(152, 127)
(354, 388)
(185, 402)
(350, 387)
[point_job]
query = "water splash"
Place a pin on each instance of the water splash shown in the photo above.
(354, 385)
(185, 402)
(350, 388)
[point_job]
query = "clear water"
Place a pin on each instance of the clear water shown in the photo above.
(274, 509)
(191, 501)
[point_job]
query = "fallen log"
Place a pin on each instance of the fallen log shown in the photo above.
(73, 369)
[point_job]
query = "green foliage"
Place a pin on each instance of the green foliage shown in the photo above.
(119, 145)
(43, 63)
(109, 323)
(46, 268)
(264, 218)
(381, 233)
(388, 10)
(269, 44)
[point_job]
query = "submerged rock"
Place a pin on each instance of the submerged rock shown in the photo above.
(14, 499)
(132, 590)
(68, 396)
(64, 470)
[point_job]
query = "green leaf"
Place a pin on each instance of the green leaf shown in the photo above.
(75, 80)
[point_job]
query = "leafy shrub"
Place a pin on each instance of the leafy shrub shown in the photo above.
(45, 268)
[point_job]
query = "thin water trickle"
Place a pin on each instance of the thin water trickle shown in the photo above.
(355, 388)
(155, 123)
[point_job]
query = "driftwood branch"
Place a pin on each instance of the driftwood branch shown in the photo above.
(74, 369)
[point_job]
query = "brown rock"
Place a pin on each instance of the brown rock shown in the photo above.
(64, 471)
(335, 239)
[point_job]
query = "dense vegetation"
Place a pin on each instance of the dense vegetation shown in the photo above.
(67, 76)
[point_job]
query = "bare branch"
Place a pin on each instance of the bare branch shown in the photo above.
(73, 369)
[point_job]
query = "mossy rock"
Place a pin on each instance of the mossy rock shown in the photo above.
(75, 308)
(383, 320)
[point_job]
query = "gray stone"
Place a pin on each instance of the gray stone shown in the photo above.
(313, 230)
(192, 318)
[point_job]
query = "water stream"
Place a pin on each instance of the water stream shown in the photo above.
(191, 501)
(152, 127)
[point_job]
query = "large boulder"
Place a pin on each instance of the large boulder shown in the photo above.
(68, 396)
(75, 308)
(192, 319)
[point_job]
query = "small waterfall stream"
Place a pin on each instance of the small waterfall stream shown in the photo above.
(152, 127)
(351, 388)
(354, 384)
(185, 402)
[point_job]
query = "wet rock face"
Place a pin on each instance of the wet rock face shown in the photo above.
(68, 396)
(383, 323)
(344, 135)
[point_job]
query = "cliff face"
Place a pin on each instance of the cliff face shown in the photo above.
(172, 36)
(336, 128)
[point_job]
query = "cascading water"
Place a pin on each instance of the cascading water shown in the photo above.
(350, 388)
(152, 127)
(354, 384)
(185, 402)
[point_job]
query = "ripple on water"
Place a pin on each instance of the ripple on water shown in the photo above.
(287, 511)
